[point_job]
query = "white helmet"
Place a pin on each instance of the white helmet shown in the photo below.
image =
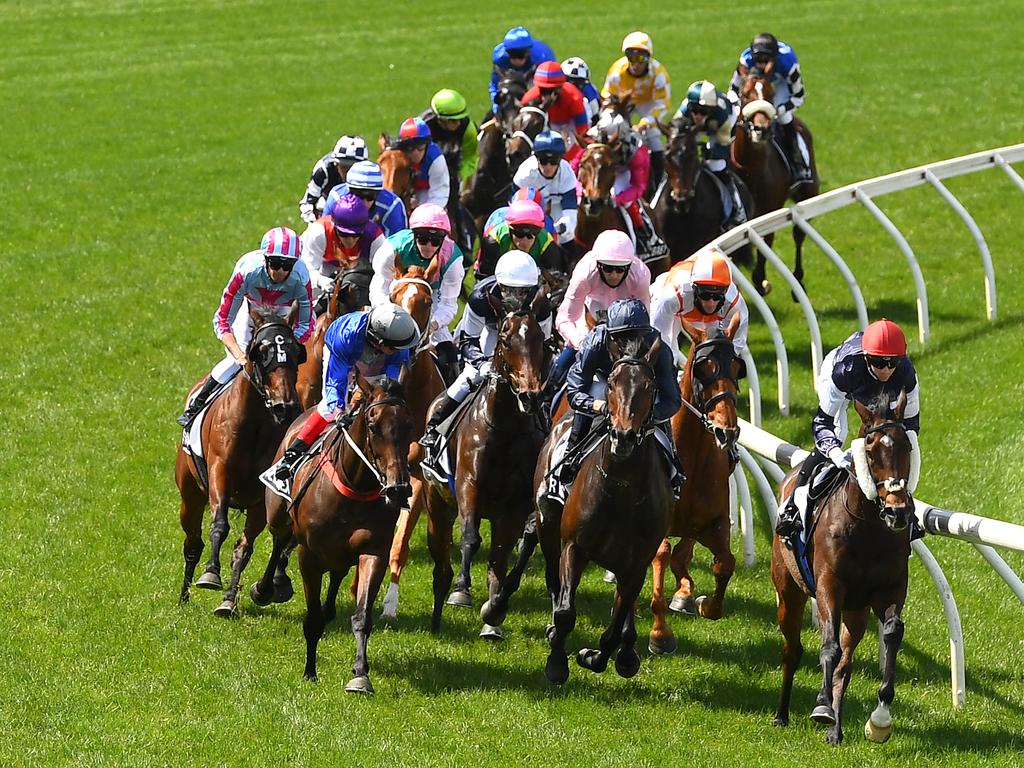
(350, 149)
(614, 247)
(610, 127)
(390, 325)
(576, 68)
(517, 269)
(638, 41)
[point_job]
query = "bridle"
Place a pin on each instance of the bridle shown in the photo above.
(425, 341)
(519, 133)
(648, 425)
(259, 373)
(587, 202)
(371, 462)
(716, 346)
(502, 375)
(683, 136)
(889, 484)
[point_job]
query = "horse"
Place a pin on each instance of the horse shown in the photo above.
(512, 86)
(239, 434)
(525, 126)
(762, 165)
(397, 171)
(597, 210)
(490, 186)
(350, 293)
(687, 209)
(343, 515)
(705, 431)
(857, 551)
(616, 514)
(493, 450)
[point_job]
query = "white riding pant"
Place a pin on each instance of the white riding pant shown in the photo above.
(241, 327)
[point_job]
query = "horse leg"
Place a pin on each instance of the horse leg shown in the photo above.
(469, 546)
(330, 604)
(791, 603)
(371, 573)
(596, 660)
(571, 565)
(723, 567)
(682, 599)
(549, 534)
(661, 640)
(829, 599)
(255, 522)
(400, 547)
(854, 623)
(878, 728)
(439, 542)
(263, 591)
(313, 624)
(495, 609)
(627, 661)
(193, 502)
(798, 262)
(758, 276)
(219, 530)
(283, 589)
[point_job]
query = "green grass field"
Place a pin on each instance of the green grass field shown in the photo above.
(147, 145)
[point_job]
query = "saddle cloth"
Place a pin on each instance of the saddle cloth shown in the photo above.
(192, 437)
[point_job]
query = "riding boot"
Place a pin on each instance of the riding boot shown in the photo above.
(444, 409)
(655, 246)
(285, 468)
(789, 523)
(801, 172)
(447, 361)
(571, 460)
(657, 169)
(199, 401)
(738, 215)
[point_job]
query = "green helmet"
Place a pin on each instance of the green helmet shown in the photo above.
(449, 104)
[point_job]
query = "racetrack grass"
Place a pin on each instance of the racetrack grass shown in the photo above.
(150, 145)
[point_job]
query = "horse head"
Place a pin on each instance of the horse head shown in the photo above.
(519, 356)
(597, 177)
(756, 85)
(882, 460)
(632, 388)
(412, 291)
(682, 162)
(508, 97)
(351, 291)
(384, 425)
(396, 169)
(523, 130)
(756, 119)
(714, 370)
(274, 356)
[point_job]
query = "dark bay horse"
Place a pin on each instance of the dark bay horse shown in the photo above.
(760, 163)
(397, 171)
(616, 514)
(344, 514)
(490, 186)
(705, 431)
(525, 126)
(240, 432)
(858, 550)
(493, 449)
(687, 209)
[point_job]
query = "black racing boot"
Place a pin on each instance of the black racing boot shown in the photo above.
(738, 215)
(788, 525)
(198, 402)
(571, 460)
(657, 169)
(279, 476)
(801, 172)
(444, 409)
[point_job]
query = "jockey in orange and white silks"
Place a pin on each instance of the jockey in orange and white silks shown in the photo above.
(269, 278)
(699, 290)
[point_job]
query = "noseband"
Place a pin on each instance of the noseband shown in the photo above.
(715, 350)
(648, 426)
(259, 372)
(371, 462)
(889, 484)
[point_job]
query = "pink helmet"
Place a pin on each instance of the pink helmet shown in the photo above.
(613, 247)
(525, 212)
(281, 242)
(430, 216)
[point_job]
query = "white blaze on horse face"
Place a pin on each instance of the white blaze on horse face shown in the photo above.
(886, 441)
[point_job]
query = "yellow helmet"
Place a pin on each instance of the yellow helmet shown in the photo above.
(638, 41)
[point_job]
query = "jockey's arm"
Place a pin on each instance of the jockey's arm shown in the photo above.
(230, 302)
(314, 245)
(639, 173)
(231, 345)
(383, 274)
(668, 399)
(394, 219)
(796, 88)
(451, 285)
(570, 320)
(580, 378)
(831, 401)
(303, 296)
(661, 99)
(440, 182)
(737, 77)
(314, 191)
(470, 328)
(739, 339)
(664, 309)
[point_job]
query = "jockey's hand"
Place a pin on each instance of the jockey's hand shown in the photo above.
(433, 326)
(241, 360)
(307, 213)
(325, 283)
(842, 459)
(599, 406)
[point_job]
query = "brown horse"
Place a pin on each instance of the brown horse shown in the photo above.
(343, 515)
(239, 435)
(606, 519)
(346, 297)
(493, 450)
(705, 431)
(763, 167)
(858, 550)
(397, 171)
(525, 126)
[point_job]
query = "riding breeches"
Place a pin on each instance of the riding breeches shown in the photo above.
(241, 327)
(468, 380)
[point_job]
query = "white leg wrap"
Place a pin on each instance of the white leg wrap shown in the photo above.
(465, 383)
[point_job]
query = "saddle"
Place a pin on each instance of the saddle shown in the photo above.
(192, 436)
(438, 464)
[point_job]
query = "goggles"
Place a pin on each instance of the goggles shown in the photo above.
(521, 232)
(429, 237)
(548, 158)
(279, 263)
(709, 292)
(613, 269)
(876, 361)
(637, 57)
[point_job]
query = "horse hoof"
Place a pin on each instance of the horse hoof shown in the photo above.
(258, 597)
(209, 580)
(227, 610)
(834, 737)
(823, 715)
(310, 678)
(490, 615)
(388, 615)
(766, 288)
(461, 597)
(557, 668)
(877, 734)
(664, 646)
(592, 659)
(359, 684)
(609, 577)
(184, 598)
(627, 663)
(684, 605)
(780, 722)
(701, 602)
(492, 633)
(283, 591)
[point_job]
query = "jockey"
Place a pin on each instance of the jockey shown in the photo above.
(578, 73)
(373, 342)
(454, 131)
(867, 367)
(512, 287)
(628, 325)
(699, 290)
(427, 244)
(610, 271)
(644, 77)
(518, 51)
(271, 278)
(777, 60)
(632, 170)
(328, 172)
(430, 181)
(564, 105)
(523, 230)
(547, 171)
(365, 181)
(526, 193)
(712, 112)
(344, 238)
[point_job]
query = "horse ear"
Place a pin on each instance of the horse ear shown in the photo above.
(495, 304)
(364, 386)
(901, 405)
(654, 351)
(538, 299)
(257, 318)
(665, 130)
(399, 268)
(383, 142)
(403, 374)
(695, 332)
(866, 414)
(293, 314)
(614, 349)
(734, 325)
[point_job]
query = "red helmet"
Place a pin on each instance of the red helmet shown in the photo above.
(884, 338)
(549, 74)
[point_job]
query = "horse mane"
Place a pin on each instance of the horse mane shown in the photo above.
(392, 388)
(417, 272)
(266, 316)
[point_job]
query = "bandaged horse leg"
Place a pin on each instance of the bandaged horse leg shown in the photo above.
(878, 728)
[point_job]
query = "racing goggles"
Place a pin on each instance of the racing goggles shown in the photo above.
(517, 53)
(279, 263)
(548, 158)
(709, 292)
(876, 361)
(523, 232)
(613, 269)
(429, 237)
(637, 57)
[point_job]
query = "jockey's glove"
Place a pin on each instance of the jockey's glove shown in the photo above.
(842, 459)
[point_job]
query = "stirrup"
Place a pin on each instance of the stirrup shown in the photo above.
(277, 481)
(429, 439)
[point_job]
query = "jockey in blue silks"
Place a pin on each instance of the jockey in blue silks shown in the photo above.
(386, 208)
(518, 51)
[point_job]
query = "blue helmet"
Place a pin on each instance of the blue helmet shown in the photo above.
(549, 141)
(517, 39)
(365, 175)
(625, 314)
